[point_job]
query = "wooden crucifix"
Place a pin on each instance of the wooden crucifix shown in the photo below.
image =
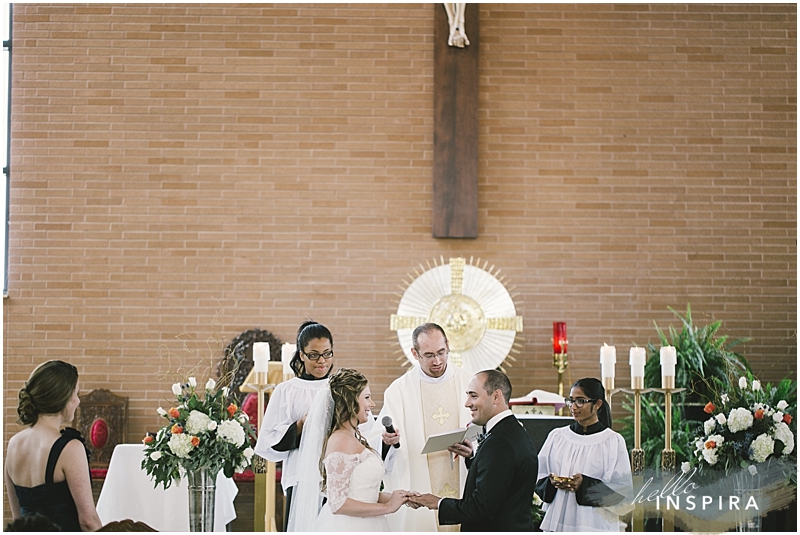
(455, 124)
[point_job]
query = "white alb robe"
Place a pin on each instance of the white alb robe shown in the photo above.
(288, 403)
(406, 467)
(602, 456)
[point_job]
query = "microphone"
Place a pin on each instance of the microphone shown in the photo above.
(387, 423)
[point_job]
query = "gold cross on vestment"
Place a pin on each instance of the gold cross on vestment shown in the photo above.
(441, 416)
(448, 492)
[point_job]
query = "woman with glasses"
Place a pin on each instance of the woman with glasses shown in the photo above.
(584, 472)
(282, 428)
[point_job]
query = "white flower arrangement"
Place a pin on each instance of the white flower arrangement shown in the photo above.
(752, 432)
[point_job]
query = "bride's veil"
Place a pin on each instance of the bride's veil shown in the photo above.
(307, 496)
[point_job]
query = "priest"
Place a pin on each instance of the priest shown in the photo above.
(427, 400)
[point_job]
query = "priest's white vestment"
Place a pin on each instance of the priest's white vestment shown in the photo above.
(420, 406)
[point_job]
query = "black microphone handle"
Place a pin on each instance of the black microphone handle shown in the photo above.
(390, 429)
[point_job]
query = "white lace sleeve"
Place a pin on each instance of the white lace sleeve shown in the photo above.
(338, 469)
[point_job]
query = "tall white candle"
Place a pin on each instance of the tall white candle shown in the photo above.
(260, 357)
(638, 358)
(608, 357)
(287, 352)
(669, 358)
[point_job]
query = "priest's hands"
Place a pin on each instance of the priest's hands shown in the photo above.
(390, 439)
(425, 500)
(463, 448)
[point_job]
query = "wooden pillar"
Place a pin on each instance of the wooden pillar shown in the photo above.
(455, 128)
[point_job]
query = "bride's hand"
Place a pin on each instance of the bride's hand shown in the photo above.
(397, 499)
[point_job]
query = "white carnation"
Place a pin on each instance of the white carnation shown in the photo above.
(777, 417)
(740, 419)
(197, 422)
(709, 425)
(721, 418)
(210, 384)
(231, 431)
(761, 448)
(742, 382)
(782, 404)
(156, 455)
(192, 382)
(181, 445)
(784, 434)
(176, 389)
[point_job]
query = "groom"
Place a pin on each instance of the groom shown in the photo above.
(502, 473)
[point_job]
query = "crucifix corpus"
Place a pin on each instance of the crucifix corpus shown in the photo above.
(455, 124)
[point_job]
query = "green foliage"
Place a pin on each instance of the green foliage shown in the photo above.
(653, 425)
(702, 355)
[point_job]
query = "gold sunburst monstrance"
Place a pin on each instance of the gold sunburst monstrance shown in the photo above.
(471, 304)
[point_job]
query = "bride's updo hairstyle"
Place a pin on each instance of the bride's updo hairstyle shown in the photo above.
(346, 385)
(47, 390)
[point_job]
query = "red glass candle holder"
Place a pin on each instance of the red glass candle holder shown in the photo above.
(559, 337)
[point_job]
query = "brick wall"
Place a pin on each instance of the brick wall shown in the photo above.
(272, 163)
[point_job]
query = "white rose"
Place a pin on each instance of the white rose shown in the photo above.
(161, 411)
(742, 382)
(244, 418)
(248, 453)
(721, 418)
(756, 385)
(685, 467)
(752, 469)
(782, 404)
(212, 425)
(210, 384)
(156, 455)
(709, 426)
(777, 417)
(176, 389)
(225, 391)
(192, 382)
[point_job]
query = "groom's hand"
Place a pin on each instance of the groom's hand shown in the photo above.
(426, 500)
(463, 448)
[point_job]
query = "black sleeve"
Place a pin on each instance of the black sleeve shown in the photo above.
(495, 469)
(595, 493)
(290, 441)
(545, 489)
(384, 450)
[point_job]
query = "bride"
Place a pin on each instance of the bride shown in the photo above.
(336, 460)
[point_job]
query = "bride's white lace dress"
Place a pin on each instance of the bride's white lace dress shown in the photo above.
(356, 476)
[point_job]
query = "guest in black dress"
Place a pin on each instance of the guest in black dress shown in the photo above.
(47, 469)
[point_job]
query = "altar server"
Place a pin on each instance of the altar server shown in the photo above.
(427, 400)
(584, 471)
(282, 427)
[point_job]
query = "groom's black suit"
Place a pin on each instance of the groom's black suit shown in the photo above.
(500, 483)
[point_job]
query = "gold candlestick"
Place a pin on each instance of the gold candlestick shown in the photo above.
(637, 454)
(668, 460)
(264, 498)
(560, 363)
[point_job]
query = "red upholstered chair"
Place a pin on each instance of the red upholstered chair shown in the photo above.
(102, 420)
(250, 408)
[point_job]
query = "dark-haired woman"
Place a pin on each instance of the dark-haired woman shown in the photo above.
(47, 469)
(282, 428)
(584, 471)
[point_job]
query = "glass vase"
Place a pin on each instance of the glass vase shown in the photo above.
(202, 498)
(748, 487)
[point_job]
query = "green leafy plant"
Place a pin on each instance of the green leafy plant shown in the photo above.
(201, 431)
(702, 355)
